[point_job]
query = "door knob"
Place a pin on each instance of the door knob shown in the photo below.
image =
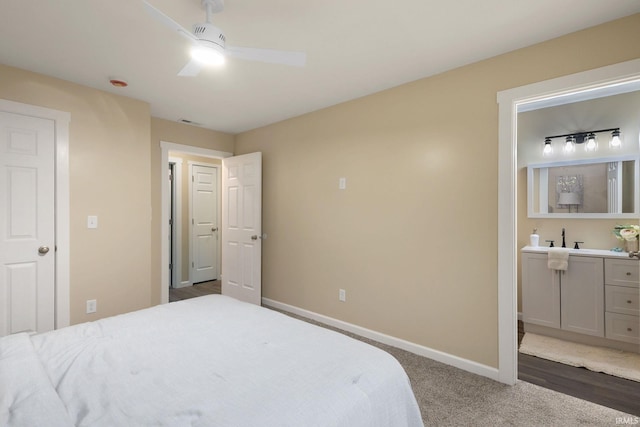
(43, 250)
(214, 229)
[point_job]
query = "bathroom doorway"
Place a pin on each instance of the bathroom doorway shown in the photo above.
(594, 83)
(557, 90)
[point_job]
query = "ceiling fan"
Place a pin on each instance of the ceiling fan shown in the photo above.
(209, 43)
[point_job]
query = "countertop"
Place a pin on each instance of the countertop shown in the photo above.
(604, 253)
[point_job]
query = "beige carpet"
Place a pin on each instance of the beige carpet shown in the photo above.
(449, 396)
(613, 362)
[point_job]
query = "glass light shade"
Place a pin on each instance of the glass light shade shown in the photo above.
(591, 144)
(616, 141)
(569, 145)
(207, 55)
(548, 149)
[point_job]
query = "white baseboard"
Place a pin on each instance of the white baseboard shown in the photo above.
(439, 356)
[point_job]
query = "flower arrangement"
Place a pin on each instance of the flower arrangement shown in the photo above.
(626, 232)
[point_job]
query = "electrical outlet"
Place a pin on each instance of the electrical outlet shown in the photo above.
(342, 295)
(342, 183)
(92, 306)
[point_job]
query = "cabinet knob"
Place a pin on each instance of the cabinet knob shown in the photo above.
(629, 329)
(628, 301)
(628, 273)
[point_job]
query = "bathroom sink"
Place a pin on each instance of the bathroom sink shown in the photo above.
(585, 252)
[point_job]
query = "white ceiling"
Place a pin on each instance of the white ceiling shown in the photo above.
(354, 48)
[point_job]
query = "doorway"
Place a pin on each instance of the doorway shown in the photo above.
(178, 264)
(580, 84)
(241, 232)
(194, 210)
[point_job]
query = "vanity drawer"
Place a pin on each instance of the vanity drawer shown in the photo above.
(622, 327)
(623, 300)
(621, 272)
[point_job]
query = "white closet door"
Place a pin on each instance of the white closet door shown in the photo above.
(204, 238)
(27, 233)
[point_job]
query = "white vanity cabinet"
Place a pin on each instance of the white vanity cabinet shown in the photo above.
(622, 296)
(572, 300)
(596, 301)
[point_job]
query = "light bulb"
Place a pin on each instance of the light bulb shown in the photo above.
(616, 141)
(569, 145)
(548, 149)
(207, 55)
(591, 143)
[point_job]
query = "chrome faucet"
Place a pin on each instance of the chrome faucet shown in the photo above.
(564, 245)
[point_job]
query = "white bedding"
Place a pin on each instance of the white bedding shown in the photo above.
(208, 361)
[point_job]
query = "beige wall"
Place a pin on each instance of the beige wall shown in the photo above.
(413, 238)
(114, 168)
(178, 133)
(109, 177)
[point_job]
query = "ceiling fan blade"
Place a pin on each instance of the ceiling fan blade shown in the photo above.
(297, 59)
(168, 22)
(192, 69)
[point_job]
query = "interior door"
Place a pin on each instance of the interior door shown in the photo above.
(204, 246)
(242, 227)
(27, 236)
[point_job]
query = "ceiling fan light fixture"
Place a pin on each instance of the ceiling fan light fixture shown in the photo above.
(210, 55)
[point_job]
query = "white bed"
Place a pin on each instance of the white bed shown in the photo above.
(208, 361)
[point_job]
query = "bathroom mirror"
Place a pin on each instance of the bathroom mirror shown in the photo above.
(588, 188)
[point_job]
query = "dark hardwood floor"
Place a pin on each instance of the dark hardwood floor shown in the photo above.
(606, 390)
(596, 387)
(197, 290)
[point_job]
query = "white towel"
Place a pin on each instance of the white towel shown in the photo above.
(558, 258)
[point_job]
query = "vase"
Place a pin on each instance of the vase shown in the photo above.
(631, 245)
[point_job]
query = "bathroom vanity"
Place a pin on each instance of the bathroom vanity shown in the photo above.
(595, 301)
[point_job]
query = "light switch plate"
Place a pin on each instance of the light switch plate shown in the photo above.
(92, 221)
(342, 183)
(92, 306)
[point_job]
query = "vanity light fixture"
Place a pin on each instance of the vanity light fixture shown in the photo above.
(616, 141)
(569, 144)
(588, 138)
(548, 149)
(592, 143)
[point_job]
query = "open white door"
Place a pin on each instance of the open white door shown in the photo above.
(242, 227)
